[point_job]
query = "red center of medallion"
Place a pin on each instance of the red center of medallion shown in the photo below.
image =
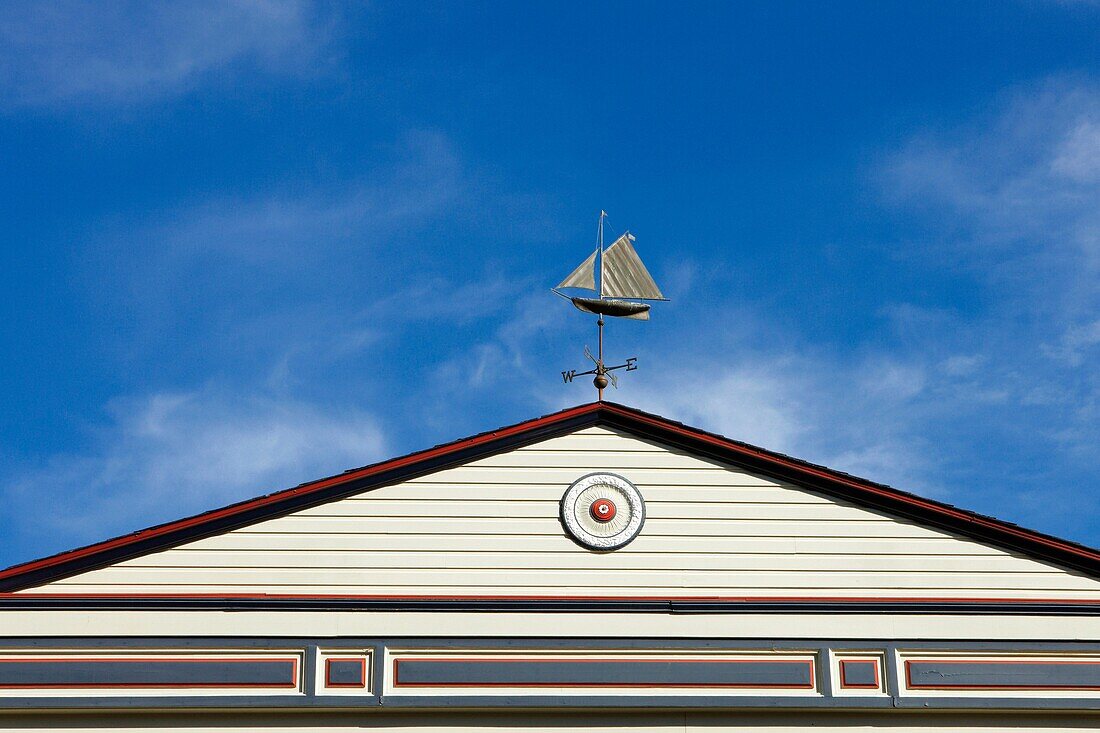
(603, 510)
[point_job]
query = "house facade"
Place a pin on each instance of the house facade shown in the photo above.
(597, 568)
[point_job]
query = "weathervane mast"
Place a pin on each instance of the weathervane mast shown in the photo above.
(624, 281)
(599, 240)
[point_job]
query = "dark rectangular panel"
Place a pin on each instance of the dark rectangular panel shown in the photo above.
(859, 673)
(964, 674)
(345, 672)
(151, 673)
(786, 673)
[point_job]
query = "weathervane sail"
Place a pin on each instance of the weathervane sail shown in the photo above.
(624, 282)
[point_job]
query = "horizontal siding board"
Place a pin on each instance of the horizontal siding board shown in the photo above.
(491, 528)
(563, 476)
(609, 442)
(670, 546)
(64, 627)
(582, 460)
(525, 526)
(579, 561)
(453, 508)
(654, 493)
(590, 577)
(863, 591)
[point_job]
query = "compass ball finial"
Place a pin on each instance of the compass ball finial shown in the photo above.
(600, 381)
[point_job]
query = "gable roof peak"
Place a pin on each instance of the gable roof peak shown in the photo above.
(821, 479)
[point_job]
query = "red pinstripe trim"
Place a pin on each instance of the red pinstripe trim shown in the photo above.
(156, 685)
(510, 660)
(655, 599)
(1018, 663)
(844, 685)
(328, 667)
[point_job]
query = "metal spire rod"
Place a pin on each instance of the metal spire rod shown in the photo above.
(600, 381)
(603, 373)
(603, 215)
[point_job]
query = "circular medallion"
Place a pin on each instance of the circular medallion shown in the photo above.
(602, 511)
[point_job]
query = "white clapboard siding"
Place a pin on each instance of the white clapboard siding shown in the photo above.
(421, 491)
(491, 528)
(739, 581)
(576, 591)
(555, 561)
(527, 526)
(711, 546)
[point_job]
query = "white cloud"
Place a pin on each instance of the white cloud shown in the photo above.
(167, 455)
(961, 365)
(119, 51)
(1075, 343)
(1012, 202)
(1015, 199)
(860, 414)
(758, 403)
(289, 229)
(1020, 186)
(298, 263)
(509, 360)
(288, 300)
(855, 416)
(1078, 156)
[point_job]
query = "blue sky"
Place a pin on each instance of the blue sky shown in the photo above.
(249, 244)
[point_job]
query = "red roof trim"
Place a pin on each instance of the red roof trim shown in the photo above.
(859, 484)
(1045, 547)
(304, 489)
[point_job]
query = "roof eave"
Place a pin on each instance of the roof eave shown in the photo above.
(817, 478)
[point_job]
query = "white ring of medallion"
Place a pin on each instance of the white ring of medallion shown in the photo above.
(587, 524)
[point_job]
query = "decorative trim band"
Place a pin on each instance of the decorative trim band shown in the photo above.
(1001, 674)
(145, 673)
(33, 673)
(593, 604)
(761, 674)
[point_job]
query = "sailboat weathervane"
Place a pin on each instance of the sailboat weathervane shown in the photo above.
(624, 282)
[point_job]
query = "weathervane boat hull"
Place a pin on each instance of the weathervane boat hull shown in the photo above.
(612, 307)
